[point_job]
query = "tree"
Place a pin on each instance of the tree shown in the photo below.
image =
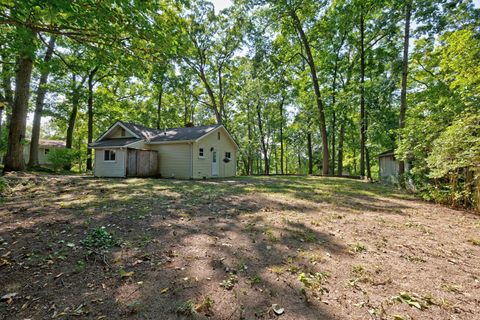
(39, 103)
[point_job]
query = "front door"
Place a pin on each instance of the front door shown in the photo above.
(214, 163)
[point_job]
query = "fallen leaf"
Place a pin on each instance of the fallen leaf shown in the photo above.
(164, 290)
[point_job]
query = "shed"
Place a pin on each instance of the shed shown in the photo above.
(388, 165)
(193, 152)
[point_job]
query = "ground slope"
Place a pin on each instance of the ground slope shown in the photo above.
(320, 248)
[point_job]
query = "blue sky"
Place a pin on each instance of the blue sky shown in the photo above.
(222, 4)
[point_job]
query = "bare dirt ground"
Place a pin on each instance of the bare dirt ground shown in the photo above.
(318, 248)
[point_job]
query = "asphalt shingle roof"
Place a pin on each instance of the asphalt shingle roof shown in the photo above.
(117, 142)
(183, 134)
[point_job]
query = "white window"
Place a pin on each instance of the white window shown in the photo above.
(218, 135)
(228, 155)
(200, 152)
(122, 132)
(109, 155)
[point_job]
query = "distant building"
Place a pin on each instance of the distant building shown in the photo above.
(389, 166)
(131, 150)
(44, 147)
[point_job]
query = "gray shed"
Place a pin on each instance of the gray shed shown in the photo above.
(389, 166)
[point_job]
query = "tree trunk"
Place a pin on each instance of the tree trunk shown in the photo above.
(159, 107)
(73, 114)
(264, 143)
(363, 120)
(39, 103)
(340, 150)
(403, 94)
(332, 166)
(310, 156)
(14, 160)
(90, 116)
(281, 135)
(316, 87)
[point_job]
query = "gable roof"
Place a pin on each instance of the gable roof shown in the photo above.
(388, 153)
(151, 135)
(117, 142)
(183, 134)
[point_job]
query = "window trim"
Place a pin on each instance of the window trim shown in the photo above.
(202, 155)
(123, 132)
(230, 155)
(110, 155)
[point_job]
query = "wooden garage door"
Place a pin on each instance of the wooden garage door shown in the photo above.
(142, 163)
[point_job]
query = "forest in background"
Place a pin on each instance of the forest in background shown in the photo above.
(304, 86)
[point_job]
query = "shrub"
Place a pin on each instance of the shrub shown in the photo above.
(60, 158)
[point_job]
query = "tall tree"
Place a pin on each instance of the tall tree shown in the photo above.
(39, 103)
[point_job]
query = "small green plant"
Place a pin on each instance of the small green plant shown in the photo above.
(187, 308)
(230, 282)
(411, 300)
(99, 238)
(270, 235)
(80, 266)
(255, 280)
(314, 282)
(206, 306)
(358, 248)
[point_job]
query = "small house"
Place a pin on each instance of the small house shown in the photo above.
(389, 166)
(193, 152)
(44, 148)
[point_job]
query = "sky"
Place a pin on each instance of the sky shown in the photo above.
(222, 4)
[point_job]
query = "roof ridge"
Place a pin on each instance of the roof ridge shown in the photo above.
(140, 125)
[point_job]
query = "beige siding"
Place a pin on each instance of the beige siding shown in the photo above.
(174, 160)
(42, 153)
(115, 168)
(117, 133)
(202, 167)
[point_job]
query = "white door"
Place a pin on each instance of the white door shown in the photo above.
(214, 163)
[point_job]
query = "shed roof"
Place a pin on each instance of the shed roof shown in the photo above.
(183, 134)
(50, 143)
(117, 142)
(388, 153)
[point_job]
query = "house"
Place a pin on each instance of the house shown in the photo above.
(44, 147)
(389, 166)
(128, 149)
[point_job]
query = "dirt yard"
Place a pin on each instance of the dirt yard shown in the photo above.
(245, 248)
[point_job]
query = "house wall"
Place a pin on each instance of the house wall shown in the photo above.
(115, 168)
(117, 133)
(202, 167)
(42, 153)
(174, 160)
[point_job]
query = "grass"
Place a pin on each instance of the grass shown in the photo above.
(229, 248)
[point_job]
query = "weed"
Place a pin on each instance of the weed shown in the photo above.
(80, 266)
(255, 280)
(270, 235)
(144, 241)
(187, 308)
(314, 282)
(410, 299)
(357, 248)
(206, 306)
(230, 282)
(98, 238)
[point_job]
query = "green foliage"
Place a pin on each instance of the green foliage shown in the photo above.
(230, 282)
(61, 157)
(457, 147)
(99, 238)
(4, 186)
(187, 308)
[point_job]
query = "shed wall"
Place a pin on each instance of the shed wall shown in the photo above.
(115, 168)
